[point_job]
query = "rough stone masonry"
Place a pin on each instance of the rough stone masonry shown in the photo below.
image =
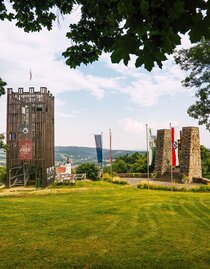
(190, 157)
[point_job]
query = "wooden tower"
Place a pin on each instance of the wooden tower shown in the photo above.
(30, 136)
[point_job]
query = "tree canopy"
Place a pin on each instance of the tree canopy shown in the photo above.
(135, 163)
(205, 161)
(147, 29)
(91, 170)
(2, 87)
(196, 60)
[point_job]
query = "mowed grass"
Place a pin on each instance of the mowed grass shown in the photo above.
(101, 225)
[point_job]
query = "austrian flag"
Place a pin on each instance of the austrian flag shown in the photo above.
(175, 160)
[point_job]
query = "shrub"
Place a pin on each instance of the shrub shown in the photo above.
(202, 188)
(185, 179)
(91, 170)
(144, 185)
(118, 180)
(3, 175)
(107, 177)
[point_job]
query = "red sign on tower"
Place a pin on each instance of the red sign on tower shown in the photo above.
(25, 150)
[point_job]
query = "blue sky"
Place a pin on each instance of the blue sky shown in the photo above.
(92, 99)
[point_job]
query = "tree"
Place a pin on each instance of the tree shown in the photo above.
(197, 60)
(3, 175)
(120, 166)
(147, 29)
(2, 87)
(205, 161)
(2, 91)
(135, 163)
(91, 170)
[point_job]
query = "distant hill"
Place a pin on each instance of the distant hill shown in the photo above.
(78, 154)
(86, 154)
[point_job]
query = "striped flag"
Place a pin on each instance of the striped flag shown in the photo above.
(99, 148)
(175, 160)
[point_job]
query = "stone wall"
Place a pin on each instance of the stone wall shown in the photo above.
(190, 157)
(163, 151)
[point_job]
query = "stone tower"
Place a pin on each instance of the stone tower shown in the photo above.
(190, 157)
(163, 151)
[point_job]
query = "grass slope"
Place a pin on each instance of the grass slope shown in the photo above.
(101, 225)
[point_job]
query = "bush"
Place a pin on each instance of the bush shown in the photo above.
(202, 188)
(118, 180)
(107, 177)
(185, 179)
(91, 170)
(3, 175)
(152, 186)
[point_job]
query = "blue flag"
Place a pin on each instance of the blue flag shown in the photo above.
(98, 140)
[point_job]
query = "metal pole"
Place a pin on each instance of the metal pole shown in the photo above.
(147, 154)
(171, 156)
(102, 166)
(110, 153)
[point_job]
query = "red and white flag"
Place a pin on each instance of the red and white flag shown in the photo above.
(175, 160)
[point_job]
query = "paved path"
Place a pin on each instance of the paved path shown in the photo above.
(135, 181)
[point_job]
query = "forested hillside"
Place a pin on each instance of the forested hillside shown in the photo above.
(81, 154)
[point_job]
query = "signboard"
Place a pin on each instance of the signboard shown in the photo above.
(25, 149)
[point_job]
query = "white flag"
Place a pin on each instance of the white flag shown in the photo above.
(151, 146)
(30, 75)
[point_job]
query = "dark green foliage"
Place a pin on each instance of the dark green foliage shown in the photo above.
(196, 60)
(2, 144)
(147, 29)
(135, 163)
(91, 170)
(120, 166)
(205, 161)
(2, 87)
(2, 175)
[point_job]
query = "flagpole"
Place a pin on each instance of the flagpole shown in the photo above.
(110, 153)
(171, 156)
(147, 154)
(102, 166)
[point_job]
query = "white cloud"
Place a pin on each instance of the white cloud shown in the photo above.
(135, 87)
(3, 109)
(21, 52)
(147, 88)
(131, 126)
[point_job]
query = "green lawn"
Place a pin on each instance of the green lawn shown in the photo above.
(101, 225)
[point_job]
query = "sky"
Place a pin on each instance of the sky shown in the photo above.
(100, 96)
